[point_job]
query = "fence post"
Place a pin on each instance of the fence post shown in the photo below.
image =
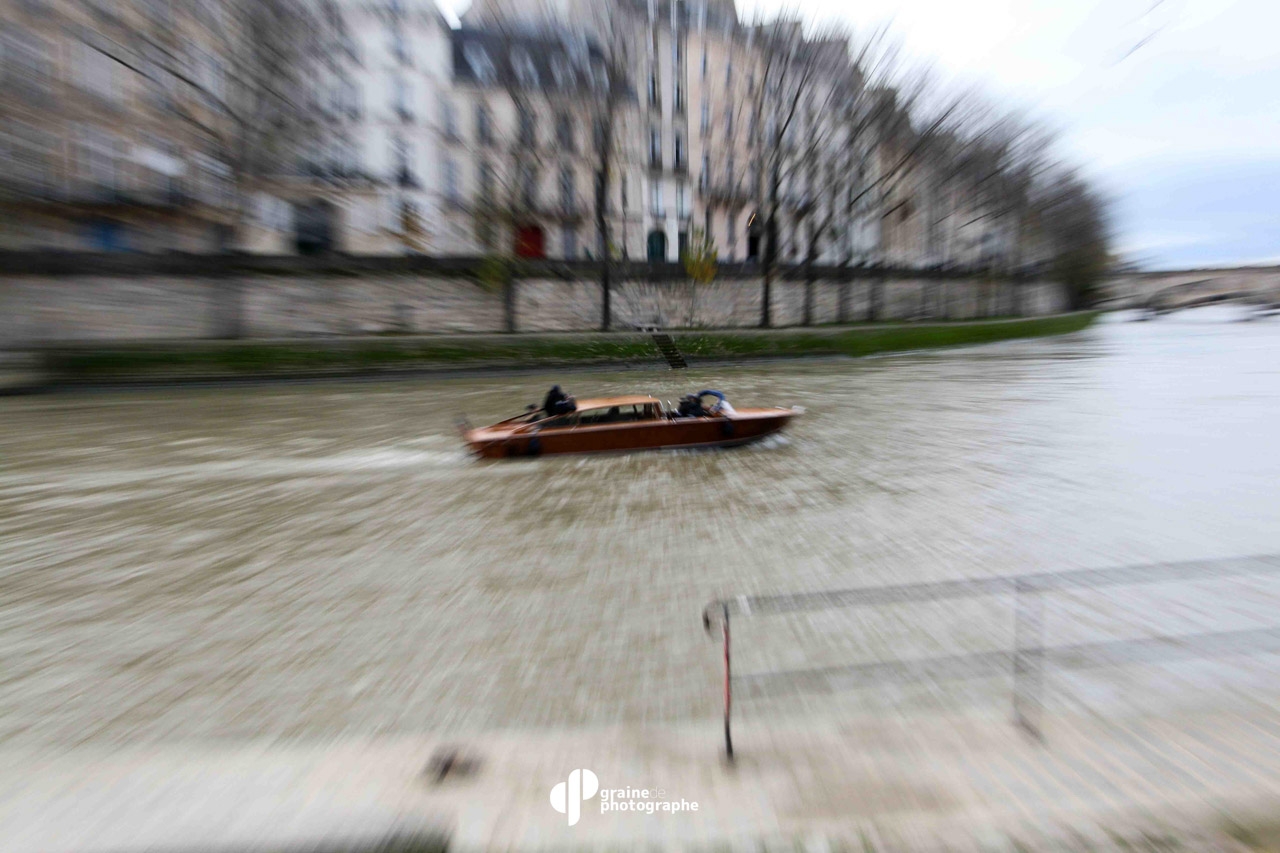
(728, 686)
(728, 689)
(1028, 659)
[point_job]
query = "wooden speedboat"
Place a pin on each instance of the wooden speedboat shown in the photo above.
(620, 424)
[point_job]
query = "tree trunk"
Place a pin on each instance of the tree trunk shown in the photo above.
(808, 292)
(766, 297)
(768, 255)
(606, 295)
(874, 293)
(509, 301)
(228, 303)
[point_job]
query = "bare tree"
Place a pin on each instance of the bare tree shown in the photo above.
(610, 32)
(579, 73)
(1071, 219)
(791, 67)
(251, 88)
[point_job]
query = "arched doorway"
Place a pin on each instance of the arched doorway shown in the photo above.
(657, 246)
(313, 227)
(531, 242)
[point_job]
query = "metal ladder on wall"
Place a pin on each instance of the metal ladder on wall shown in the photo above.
(667, 346)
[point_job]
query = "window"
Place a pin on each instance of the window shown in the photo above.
(451, 191)
(526, 71)
(704, 177)
(97, 156)
(682, 201)
(705, 124)
(728, 73)
(569, 247)
(212, 76)
(95, 71)
(481, 64)
(564, 132)
(561, 71)
(528, 185)
(448, 120)
(704, 61)
(24, 152)
(653, 87)
(599, 74)
(351, 100)
(655, 199)
(528, 132)
(728, 121)
(562, 421)
(484, 125)
(24, 66)
(398, 48)
(617, 414)
(655, 147)
(678, 151)
(679, 96)
(622, 190)
(568, 190)
(401, 98)
(484, 182)
(400, 159)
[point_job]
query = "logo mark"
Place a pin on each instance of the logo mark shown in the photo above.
(567, 798)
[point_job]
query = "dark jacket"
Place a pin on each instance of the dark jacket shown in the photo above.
(557, 402)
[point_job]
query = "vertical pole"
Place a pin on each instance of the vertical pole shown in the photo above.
(728, 689)
(1028, 659)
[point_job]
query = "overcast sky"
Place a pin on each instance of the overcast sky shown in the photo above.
(1171, 106)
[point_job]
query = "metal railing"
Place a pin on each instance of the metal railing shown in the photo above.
(1029, 656)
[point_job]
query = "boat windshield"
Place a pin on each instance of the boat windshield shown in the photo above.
(618, 414)
(603, 415)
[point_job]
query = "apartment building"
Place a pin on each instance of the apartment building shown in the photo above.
(519, 154)
(404, 135)
(102, 145)
(367, 181)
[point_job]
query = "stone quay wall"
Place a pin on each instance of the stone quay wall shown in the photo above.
(112, 299)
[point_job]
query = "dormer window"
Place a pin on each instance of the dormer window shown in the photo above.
(561, 71)
(526, 71)
(481, 64)
(599, 75)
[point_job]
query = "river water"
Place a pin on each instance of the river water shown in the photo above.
(310, 561)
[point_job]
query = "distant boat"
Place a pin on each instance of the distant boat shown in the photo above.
(614, 424)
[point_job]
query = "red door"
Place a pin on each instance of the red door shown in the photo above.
(530, 242)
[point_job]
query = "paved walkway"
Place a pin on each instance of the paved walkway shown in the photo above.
(956, 784)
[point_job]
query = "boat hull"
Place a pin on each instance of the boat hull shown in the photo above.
(663, 434)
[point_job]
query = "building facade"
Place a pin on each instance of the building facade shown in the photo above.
(102, 147)
(562, 129)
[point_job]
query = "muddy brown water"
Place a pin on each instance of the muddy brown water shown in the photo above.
(309, 561)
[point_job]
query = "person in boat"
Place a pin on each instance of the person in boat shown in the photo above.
(690, 407)
(721, 407)
(558, 403)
